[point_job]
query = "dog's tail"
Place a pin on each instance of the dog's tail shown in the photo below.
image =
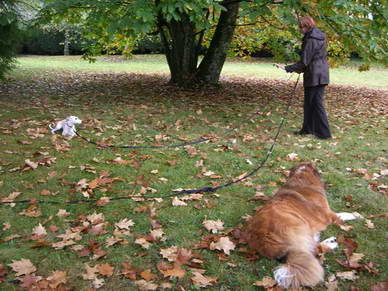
(51, 126)
(302, 269)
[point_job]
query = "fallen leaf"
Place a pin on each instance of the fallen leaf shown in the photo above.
(381, 286)
(125, 223)
(170, 253)
(31, 164)
(148, 275)
(202, 281)
(213, 225)
(369, 224)
(292, 156)
(223, 244)
(105, 270)
(347, 275)
(91, 272)
(177, 202)
(57, 278)
(29, 281)
(62, 213)
(143, 242)
(39, 230)
(266, 282)
(144, 285)
(22, 267)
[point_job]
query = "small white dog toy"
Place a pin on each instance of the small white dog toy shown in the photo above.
(67, 125)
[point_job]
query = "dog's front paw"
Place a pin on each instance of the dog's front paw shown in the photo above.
(330, 242)
(345, 216)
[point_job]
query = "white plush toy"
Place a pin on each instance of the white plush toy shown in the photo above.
(67, 125)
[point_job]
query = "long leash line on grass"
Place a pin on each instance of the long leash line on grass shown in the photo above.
(207, 189)
(171, 146)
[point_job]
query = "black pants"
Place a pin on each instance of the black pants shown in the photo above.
(315, 118)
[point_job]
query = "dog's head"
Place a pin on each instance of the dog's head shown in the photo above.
(71, 120)
(307, 172)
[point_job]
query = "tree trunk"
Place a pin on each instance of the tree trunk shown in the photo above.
(178, 38)
(211, 66)
(66, 43)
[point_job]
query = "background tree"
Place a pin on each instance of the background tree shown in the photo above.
(186, 26)
(9, 32)
(13, 16)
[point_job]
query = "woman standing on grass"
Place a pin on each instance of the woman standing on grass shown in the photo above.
(313, 64)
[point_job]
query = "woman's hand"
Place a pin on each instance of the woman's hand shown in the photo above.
(279, 66)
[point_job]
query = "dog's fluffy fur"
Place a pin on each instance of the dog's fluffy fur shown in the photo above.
(288, 227)
(67, 125)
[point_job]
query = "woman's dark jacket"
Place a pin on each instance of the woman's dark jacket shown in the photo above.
(313, 62)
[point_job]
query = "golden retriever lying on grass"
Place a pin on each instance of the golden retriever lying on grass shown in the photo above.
(288, 227)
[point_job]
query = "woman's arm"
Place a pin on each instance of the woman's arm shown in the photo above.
(306, 58)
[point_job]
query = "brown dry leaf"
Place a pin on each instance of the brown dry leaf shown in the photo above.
(223, 244)
(192, 151)
(91, 272)
(31, 164)
(120, 161)
(105, 270)
(266, 282)
(148, 275)
(22, 267)
(96, 218)
(62, 213)
(202, 281)
(347, 275)
(369, 224)
(184, 256)
(177, 271)
(213, 225)
(125, 223)
(177, 202)
(385, 214)
(143, 242)
(103, 201)
(170, 253)
(354, 260)
(11, 196)
(381, 286)
(157, 234)
(292, 157)
(110, 241)
(57, 278)
(45, 192)
(144, 285)
(3, 273)
(39, 230)
(31, 211)
(11, 237)
(29, 281)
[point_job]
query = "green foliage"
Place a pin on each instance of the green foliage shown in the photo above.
(37, 40)
(9, 32)
(352, 26)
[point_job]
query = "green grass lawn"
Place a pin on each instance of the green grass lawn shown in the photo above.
(376, 77)
(120, 104)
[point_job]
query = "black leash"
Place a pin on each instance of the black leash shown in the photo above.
(198, 141)
(207, 189)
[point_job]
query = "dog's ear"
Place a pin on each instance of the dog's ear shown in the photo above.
(314, 169)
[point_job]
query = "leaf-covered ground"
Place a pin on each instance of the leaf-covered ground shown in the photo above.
(151, 238)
